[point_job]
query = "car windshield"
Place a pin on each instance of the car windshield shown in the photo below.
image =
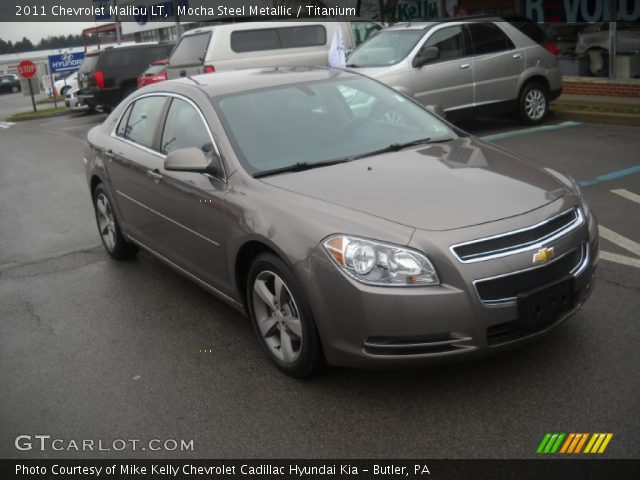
(321, 122)
(386, 48)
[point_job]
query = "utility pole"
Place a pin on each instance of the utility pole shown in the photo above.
(177, 16)
(118, 37)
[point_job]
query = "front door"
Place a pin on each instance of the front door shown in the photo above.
(448, 80)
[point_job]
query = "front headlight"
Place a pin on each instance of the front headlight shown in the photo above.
(583, 201)
(377, 263)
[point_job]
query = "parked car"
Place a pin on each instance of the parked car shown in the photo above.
(9, 83)
(107, 76)
(63, 84)
(72, 102)
(259, 44)
(594, 40)
(466, 66)
(156, 72)
(340, 235)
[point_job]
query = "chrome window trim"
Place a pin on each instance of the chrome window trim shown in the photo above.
(539, 243)
(187, 273)
(216, 244)
(159, 154)
(575, 272)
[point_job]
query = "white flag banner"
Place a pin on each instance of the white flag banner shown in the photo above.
(337, 58)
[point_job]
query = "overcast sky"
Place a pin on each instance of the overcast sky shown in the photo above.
(35, 31)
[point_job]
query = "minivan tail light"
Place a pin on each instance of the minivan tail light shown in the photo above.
(552, 47)
(98, 78)
(208, 69)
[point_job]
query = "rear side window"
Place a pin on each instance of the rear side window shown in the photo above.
(531, 30)
(191, 50)
(143, 119)
(278, 38)
(488, 38)
(184, 128)
(120, 58)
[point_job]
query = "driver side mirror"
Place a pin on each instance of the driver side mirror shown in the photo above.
(426, 55)
(193, 159)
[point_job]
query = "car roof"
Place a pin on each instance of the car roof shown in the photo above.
(247, 26)
(236, 81)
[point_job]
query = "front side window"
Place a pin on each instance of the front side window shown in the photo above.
(143, 120)
(488, 38)
(386, 48)
(315, 122)
(449, 42)
(184, 128)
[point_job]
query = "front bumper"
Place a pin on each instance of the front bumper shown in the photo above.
(371, 327)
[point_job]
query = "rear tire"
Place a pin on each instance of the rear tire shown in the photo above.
(533, 104)
(15, 89)
(282, 318)
(109, 228)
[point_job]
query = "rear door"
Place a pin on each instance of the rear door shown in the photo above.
(134, 166)
(497, 63)
(448, 80)
(189, 55)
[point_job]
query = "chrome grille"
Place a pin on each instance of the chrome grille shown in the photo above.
(517, 241)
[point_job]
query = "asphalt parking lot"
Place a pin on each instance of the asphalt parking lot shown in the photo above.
(96, 349)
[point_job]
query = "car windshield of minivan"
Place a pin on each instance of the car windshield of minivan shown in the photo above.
(309, 125)
(386, 48)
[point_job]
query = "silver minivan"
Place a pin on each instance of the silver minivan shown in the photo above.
(464, 67)
(235, 46)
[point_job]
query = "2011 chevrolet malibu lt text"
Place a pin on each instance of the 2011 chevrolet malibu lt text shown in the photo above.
(344, 236)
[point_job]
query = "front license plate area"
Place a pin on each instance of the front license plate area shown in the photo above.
(545, 304)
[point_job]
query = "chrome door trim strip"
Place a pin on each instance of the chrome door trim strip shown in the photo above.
(186, 273)
(213, 242)
(577, 222)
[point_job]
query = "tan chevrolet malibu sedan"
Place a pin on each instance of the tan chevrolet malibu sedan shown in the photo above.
(345, 237)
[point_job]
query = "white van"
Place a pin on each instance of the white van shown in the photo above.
(233, 46)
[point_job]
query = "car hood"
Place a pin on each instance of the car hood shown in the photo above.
(433, 187)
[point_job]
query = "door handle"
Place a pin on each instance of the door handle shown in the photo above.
(517, 55)
(154, 175)
(465, 66)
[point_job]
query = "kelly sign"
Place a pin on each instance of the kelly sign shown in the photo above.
(65, 62)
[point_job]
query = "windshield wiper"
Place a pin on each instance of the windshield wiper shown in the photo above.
(299, 167)
(394, 147)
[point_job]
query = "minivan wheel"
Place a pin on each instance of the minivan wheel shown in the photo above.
(282, 316)
(108, 227)
(533, 104)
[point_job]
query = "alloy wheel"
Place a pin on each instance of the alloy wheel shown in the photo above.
(106, 222)
(277, 317)
(535, 104)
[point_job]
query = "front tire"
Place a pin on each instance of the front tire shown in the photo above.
(533, 104)
(15, 89)
(282, 317)
(109, 228)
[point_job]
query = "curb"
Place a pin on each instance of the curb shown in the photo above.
(598, 117)
(35, 116)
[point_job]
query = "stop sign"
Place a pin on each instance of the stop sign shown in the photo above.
(27, 69)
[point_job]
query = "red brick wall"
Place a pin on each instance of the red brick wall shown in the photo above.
(612, 89)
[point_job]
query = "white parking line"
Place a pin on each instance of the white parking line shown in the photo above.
(619, 240)
(622, 259)
(627, 194)
(6, 124)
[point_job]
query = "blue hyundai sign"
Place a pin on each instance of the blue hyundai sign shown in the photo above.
(65, 62)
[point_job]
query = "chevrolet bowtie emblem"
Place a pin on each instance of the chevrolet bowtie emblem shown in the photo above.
(543, 255)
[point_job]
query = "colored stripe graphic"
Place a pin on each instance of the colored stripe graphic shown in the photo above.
(550, 443)
(573, 443)
(598, 442)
